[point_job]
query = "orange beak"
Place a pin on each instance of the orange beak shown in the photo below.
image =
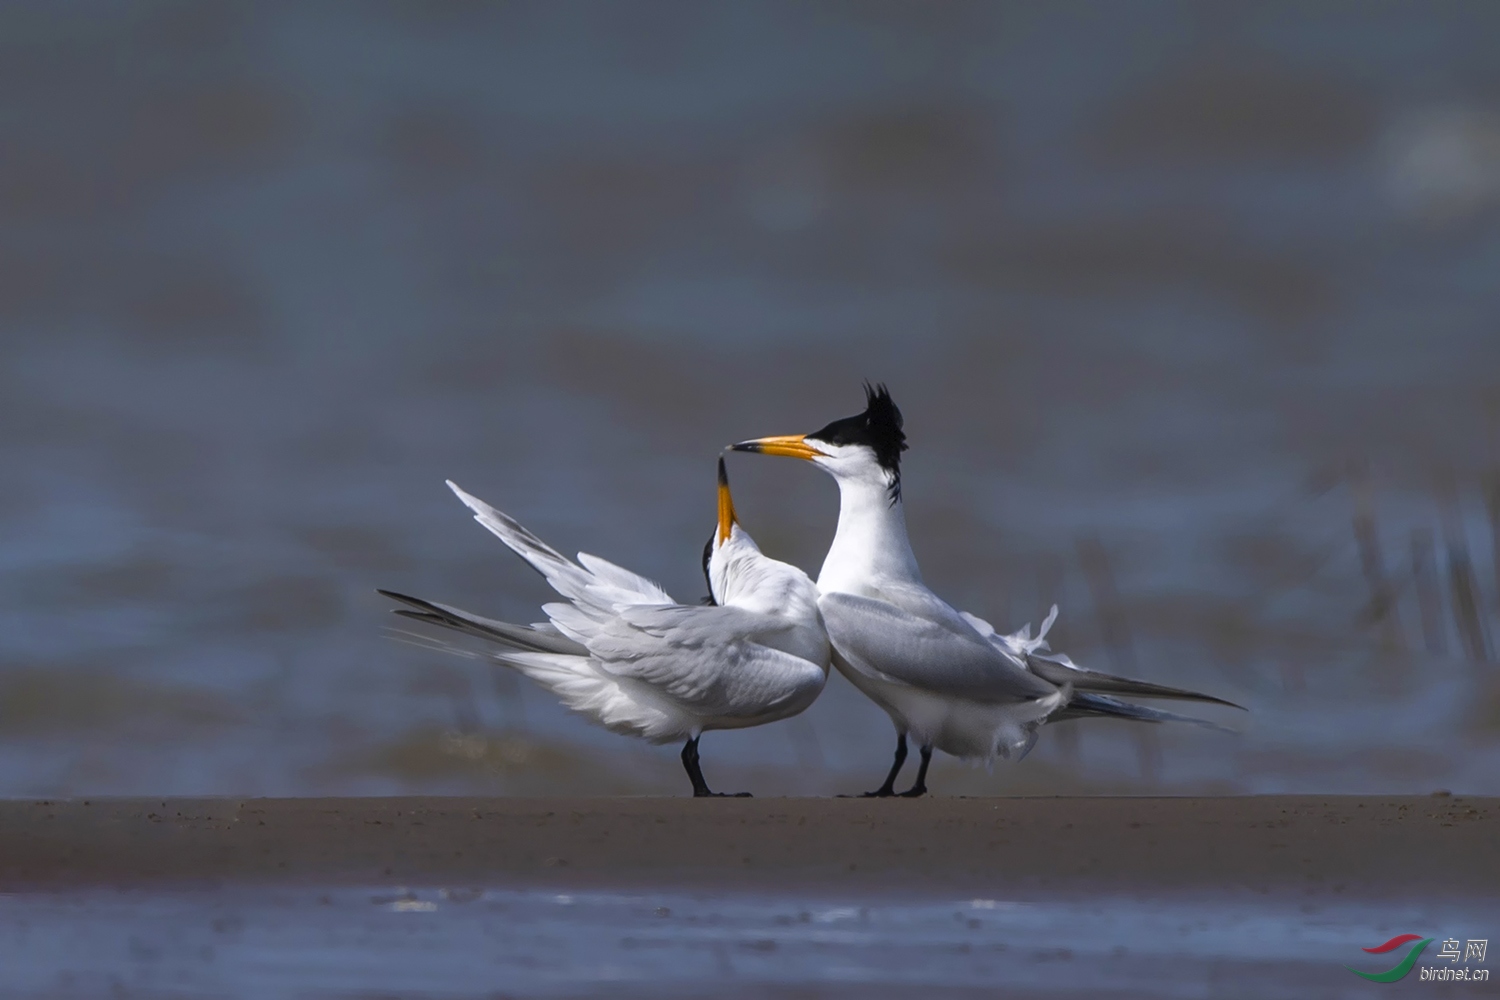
(790, 445)
(727, 520)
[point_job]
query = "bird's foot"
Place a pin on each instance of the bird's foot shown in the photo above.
(914, 792)
(706, 794)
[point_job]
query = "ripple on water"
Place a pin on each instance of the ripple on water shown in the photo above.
(271, 942)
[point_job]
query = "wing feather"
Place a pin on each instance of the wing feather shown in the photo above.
(705, 658)
(598, 587)
(898, 646)
(642, 590)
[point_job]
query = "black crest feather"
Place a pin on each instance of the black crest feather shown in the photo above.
(878, 428)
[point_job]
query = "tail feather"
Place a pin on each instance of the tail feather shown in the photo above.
(432, 644)
(1061, 670)
(1057, 668)
(554, 661)
(1085, 705)
(522, 637)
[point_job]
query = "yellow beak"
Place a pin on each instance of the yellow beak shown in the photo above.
(727, 520)
(790, 445)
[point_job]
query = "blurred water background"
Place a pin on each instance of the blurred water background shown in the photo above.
(1192, 310)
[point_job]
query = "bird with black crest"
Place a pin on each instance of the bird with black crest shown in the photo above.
(945, 677)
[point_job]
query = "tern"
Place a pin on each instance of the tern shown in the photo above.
(944, 676)
(625, 655)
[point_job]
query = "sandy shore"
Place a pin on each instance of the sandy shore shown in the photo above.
(1376, 846)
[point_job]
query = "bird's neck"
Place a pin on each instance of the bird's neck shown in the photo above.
(753, 582)
(870, 545)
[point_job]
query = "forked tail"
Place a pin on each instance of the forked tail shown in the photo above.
(527, 638)
(552, 660)
(1088, 705)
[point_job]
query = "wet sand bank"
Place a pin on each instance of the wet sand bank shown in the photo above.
(1335, 845)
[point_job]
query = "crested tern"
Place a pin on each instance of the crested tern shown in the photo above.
(625, 655)
(942, 675)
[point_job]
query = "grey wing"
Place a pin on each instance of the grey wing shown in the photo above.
(879, 638)
(707, 659)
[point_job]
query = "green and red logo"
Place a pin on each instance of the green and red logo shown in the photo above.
(1403, 967)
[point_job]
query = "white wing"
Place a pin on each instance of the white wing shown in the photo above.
(598, 587)
(624, 654)
(706, 659)
(633, 588)
(882, 639)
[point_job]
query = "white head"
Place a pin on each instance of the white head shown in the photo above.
(864, 449)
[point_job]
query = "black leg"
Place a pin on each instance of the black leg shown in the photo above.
(889, 788)
(695, 774)
(919, 789)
